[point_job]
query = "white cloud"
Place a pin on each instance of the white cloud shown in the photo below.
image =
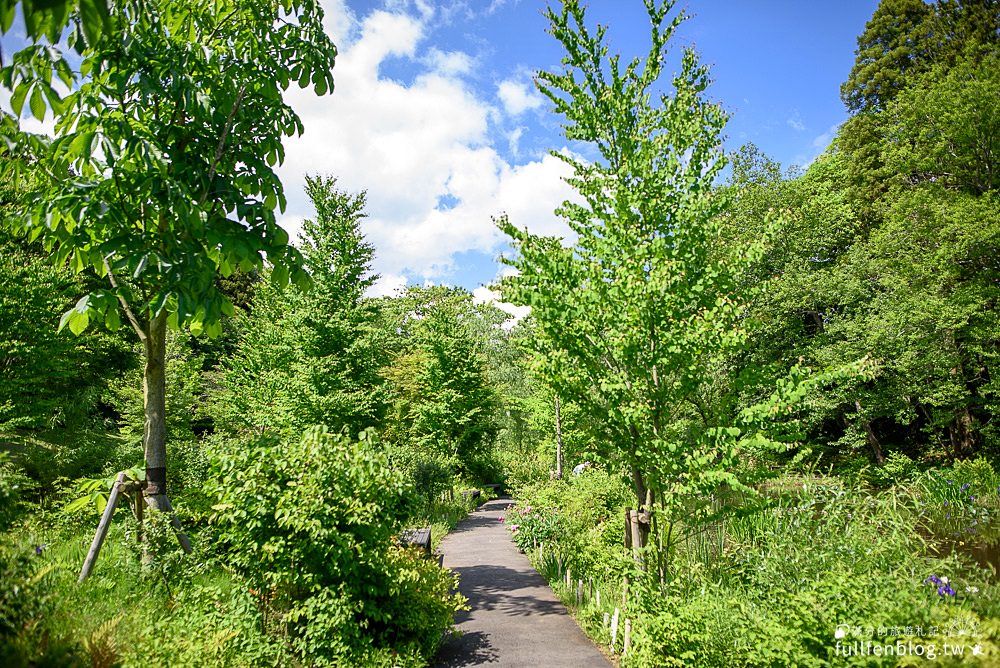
(413, 145)
(517, 97)
(823, 141)
(450, 62)
(387, 285)
(514, 141)
(795, 122)
(818, 145)
(483, 295)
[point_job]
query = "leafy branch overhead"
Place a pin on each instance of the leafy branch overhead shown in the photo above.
(161, 173)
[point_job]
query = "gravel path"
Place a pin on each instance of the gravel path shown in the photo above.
(516, 619)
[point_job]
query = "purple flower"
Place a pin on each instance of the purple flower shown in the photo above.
(947, 517)
(933, 578)
(946, 503)
(41, 548)
(946, 590)
(972, 498)
(950, 482)
(964, 487)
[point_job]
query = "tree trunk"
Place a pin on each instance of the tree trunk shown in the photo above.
(640, 518)
(559, 443)
(873, 441)
(154, 434)
(961, 432)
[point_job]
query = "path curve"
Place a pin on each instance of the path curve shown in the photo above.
(516, 620)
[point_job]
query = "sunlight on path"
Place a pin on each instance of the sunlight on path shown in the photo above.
(516, 619)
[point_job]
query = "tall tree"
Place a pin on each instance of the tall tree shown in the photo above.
(895, 46)
(630, 317)
(443, 398)
(160, 176)
(312, 358)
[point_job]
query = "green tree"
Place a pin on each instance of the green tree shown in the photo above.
(312, 358)
(946, 127)
(893, 48)
(632, 319)
(443, 400)
(48, 19)
(160, 175)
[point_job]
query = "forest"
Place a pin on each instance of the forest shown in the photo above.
(782, 382)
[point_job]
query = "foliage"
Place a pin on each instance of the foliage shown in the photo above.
(638, 322)
(443, 404)
(160, 176)
(313, 358)
(944, 128)
(580, 517)
(889, 51)
(311, 525)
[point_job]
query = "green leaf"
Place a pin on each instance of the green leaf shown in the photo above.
(7, 11)
(95, 19)
(37, 102)
(279, 276)
(78, 322)
(112, 320)
(77, 505)
(17, 98)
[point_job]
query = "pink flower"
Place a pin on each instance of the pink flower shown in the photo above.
(500, 518)
(513, 528)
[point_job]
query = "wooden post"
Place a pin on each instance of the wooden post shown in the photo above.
(636, 540)
(569, 578)
(598, 598)
(628, 528)
(625, 593)
(607, 617)
(102, 528)
(590, 590)
(614, 630)
(579, 592)
(627, 642)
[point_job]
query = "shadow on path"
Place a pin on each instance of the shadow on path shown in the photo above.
(514, 619)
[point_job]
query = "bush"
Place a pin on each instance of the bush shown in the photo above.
(580, 516)
(311, 526)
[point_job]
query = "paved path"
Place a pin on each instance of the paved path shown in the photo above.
(516, 620)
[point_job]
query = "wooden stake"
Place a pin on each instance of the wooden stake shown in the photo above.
(614, 630)
(627, 643)
(102, 528)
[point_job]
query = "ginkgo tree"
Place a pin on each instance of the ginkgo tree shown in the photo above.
(635, 319)
(160, 176)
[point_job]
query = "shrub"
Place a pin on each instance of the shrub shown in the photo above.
(311, 526)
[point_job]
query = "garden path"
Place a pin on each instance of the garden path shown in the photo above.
(515, 619)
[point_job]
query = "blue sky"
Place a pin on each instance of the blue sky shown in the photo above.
(436, 117)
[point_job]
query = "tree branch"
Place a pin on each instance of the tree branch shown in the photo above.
(222, 143)
(121, 300)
